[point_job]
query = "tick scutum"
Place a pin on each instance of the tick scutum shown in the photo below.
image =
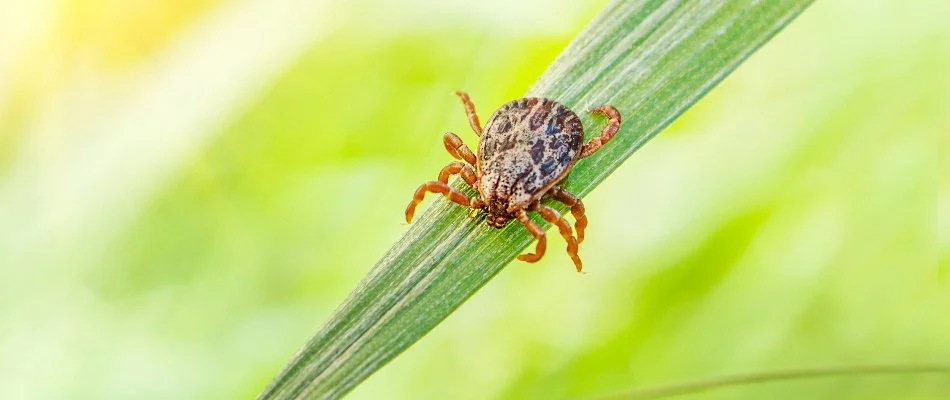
(528, 145)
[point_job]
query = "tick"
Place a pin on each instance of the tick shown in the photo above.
(528, 147)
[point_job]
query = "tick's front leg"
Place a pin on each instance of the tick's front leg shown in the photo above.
(436, 187)
(577, 209)
(538, 234)
(552, 216)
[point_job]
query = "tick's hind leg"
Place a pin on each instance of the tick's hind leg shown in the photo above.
(577, 209)
(555, 218)
(436, 187)
(457, 148)
(537, 233)
(470, 111)
(609, 131)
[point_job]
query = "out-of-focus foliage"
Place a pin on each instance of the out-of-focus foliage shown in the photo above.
(187, 190)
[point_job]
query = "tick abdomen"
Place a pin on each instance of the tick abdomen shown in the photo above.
(528, 145)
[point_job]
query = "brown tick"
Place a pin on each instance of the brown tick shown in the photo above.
(527, 148)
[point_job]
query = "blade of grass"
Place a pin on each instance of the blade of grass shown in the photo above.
(679, 389)
(651, 59)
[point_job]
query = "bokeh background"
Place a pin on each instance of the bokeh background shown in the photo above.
(189, 188)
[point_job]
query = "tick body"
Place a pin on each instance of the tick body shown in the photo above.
(527, 148)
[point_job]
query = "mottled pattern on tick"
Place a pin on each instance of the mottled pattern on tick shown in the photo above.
(528, 145)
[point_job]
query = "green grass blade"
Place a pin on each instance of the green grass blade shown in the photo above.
(722, 382)
(650, 59)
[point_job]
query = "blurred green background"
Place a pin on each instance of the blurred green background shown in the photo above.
(188, 189)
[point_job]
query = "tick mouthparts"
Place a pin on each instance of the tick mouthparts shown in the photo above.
(497, 221)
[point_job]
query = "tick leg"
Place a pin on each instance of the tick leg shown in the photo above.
(537, 233)
(577, 209)
(470, 111)
(435, 187)
(609, 131)
(458, 149)
(456, 167)
(552, 216)
(477, 203)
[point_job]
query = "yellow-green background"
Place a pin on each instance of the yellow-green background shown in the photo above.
(188, 189)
